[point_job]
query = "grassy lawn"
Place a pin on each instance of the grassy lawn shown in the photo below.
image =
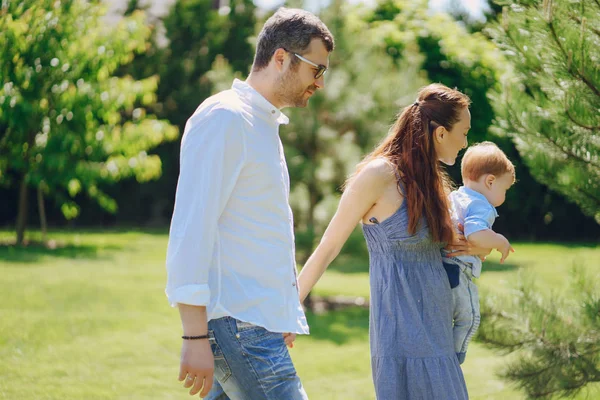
(90, 321)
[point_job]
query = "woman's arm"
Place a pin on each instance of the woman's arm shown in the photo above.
(364, 191)
(461, 246)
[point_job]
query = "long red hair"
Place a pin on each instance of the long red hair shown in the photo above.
(410, 148)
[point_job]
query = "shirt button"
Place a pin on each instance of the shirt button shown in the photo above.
(272, 111)
(294, 284)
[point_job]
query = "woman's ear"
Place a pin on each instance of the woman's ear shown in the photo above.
(439, 133)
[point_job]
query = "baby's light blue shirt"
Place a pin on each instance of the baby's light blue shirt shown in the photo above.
(475, 213)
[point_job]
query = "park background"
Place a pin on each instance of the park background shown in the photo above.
(93, 101)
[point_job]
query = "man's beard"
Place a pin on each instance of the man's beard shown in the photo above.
(291, 92)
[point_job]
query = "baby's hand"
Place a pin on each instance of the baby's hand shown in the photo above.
(505, 249)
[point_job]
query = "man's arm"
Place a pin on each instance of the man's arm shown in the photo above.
(212, 156)
(197, 361)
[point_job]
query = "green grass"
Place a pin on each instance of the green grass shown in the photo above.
(90, 321)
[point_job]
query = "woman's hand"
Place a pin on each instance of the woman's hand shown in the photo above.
(461, 246)
(289, 338)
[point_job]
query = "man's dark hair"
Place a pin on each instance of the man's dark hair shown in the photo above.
(292, 29)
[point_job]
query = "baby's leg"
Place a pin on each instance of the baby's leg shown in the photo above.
(466, 314)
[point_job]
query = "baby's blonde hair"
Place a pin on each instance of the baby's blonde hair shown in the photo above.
(485, 158)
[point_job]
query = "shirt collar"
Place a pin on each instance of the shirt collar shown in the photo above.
(256, 100)
(476, 194)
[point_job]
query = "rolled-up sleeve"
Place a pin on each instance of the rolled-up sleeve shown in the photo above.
(478, 217)
(211, 159)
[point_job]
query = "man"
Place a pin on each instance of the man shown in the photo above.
(230, 260)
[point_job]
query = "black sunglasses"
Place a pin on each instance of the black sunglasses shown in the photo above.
(321, 69)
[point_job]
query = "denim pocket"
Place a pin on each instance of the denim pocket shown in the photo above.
(222, 370)
(247, 332)
(267, 353)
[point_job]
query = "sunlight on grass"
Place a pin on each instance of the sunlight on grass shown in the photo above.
(89, 320)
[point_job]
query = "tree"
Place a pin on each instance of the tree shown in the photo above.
(324, 141)
(549, 106)
(473, 20)
(467, 60)
(364, 90)
(68, 125)
(196, 32)
(557, 339)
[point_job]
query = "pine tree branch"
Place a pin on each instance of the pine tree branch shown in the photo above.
(509, 347)
(517, 48)
(547, 393)
(558, 362)
(588, 196)
(572, 70)
(578, 20)
(561, 364)
(596, 376)
(516, 345)
(588, 127)
(537, 372)
(568, 153)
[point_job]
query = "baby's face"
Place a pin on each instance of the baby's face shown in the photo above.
(496, 193)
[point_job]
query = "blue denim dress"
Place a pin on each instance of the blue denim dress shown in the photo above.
(412, 349)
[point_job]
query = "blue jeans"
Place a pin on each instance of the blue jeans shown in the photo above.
(466, 312)
(251, 363)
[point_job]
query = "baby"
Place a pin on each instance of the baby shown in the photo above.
(487, 174)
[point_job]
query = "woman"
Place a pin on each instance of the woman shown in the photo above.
(399, 193)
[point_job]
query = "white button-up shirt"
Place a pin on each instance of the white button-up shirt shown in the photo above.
(231, 243)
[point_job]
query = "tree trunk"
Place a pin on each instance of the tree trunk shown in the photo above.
(22, 212)
(42, 211)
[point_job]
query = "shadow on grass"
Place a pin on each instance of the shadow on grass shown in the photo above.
(8, 231)
(495, 266)
(35, 252)
(340, 326)
(123, 229)
(351, 263)
(565, 244)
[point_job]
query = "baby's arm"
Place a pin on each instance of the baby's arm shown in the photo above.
(489, 239)
(479, 218)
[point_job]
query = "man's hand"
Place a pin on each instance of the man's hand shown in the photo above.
(197, 363)
(289, 338)
(505, 249)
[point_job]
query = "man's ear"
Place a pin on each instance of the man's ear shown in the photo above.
(279, 58)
